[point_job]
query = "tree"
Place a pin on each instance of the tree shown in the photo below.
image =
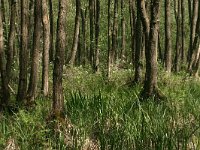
(23, 53)
(109, 60)
(33, 82)
(151, 36)
(97, 29)
(4, 80)
(58, 98)
(76, 33)
(11, 39)
(138, 46)
(46, 47)
(194, 16)
(168, 43)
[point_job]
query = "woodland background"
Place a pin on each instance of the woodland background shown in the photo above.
(91, 74)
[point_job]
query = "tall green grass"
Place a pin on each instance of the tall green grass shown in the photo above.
(111, 113)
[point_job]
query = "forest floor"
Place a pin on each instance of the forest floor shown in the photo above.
(109, 115)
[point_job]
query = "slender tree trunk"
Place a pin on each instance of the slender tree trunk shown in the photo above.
(46, 47)
(193, 27)
(138, 45)
(51, 16)
(97, 28)
(23, 53)
(168, 42)
(3, 11)
(133, 26)
(11, 39)
(76, 33)
(91, 11)
(83, 36)
(183, 30)
(114, 33)
(4, 80)
(123, 32)
(58, 97)
(109, 41)
(33, 82)
(178, 38)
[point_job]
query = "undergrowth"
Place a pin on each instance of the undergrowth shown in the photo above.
(111, 114)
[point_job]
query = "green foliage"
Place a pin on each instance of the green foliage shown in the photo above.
(112, 113)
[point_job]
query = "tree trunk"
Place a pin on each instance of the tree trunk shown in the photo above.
(46, 47)
(51, 16)
(97, 26)
(150, 84)
(138, 45)
(58, 97)
(114, 33)
(33, 82)
(168, 42)
(23, 53)
(76, 33)
(123, 32)
(4, 80)
(83, 17)
(183, 31)
(11, 39)
(133, 27)
(178, 38)
(193, 28)
(91, 11)
(109, 41)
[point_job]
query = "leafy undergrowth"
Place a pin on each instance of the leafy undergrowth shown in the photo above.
(108, 115)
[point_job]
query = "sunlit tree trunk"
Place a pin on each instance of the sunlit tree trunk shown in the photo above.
(58, 97)
(109, 41)
(168, 42)
(46, 47)
(76, 33)
(151, 31)
(33, 82)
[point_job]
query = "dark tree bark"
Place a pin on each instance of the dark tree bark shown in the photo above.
(46, 47)
(150, 84)
(58, 97)
(138, 45)
(168, 42)
(183, 30)
(23, 53)
(11, 39)
(83, 17)
(97, 28)
(133, 27)
(114, 33)
(91, 12)
(51, 16)
(123, 31)
(5, 95)
(76, 33)
(33, 82)
(193, 27)
(178, 38)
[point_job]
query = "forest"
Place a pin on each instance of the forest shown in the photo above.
(99, 74)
